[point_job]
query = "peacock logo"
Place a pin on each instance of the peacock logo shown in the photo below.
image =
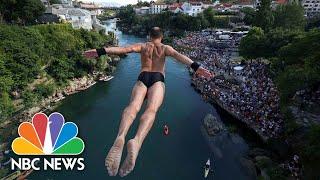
(48, 136)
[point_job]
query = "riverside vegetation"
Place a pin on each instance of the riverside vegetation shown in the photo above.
(37, 61)
(291, 44)
(174, 24)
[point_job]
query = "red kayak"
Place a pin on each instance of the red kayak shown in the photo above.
(166, 130)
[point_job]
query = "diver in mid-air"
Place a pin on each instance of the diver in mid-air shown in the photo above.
(150, 85)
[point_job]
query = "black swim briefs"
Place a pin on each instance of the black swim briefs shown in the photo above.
(149, 78)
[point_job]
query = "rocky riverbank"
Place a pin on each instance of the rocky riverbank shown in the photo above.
(251, 162)
(215, 101)
(8, 128)
(258, 162)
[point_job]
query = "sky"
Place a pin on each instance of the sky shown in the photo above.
(122, 2)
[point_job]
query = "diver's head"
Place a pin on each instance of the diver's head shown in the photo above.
(156, 33)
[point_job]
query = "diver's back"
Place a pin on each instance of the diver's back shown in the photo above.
(153, 57)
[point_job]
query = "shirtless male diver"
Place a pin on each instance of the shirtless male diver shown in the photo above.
(150, 85)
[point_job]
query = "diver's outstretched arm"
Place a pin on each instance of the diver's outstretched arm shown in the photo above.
(124, 50)
(178, 56)
(186, 60)
(94, 53)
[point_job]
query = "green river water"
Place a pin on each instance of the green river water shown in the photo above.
(181, 155)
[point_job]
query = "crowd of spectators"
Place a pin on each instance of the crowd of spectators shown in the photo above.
(247, 91)
(294, 166)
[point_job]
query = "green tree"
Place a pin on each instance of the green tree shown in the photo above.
(264, 17)
(51, 51)
(55, 1)
(209, 15)
(61, 69)
(278, 38)
(4, 171)
(253, 45)
(180, 21)
(30, 10)
(302, 47)
(29, 98)
(7, 11)
(141, 4)
(301, 65)
(22, 63)
(289, 16)
(258, 44)
(21, 11)
(290, 81)
(126, 14)
(6, 106)
(5, 84)
(311, 153)
(249, 15)
(44, 90)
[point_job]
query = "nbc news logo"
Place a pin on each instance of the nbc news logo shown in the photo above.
(48, 136)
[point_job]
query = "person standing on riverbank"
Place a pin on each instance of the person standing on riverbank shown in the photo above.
(150, 85)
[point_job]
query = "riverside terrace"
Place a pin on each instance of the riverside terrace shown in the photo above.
(247, 92)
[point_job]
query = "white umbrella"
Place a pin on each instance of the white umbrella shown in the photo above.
(238, 68)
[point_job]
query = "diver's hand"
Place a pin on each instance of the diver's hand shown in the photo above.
(204, 73)
(91, 54)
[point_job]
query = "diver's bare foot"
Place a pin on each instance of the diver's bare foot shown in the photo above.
(114, 156)
(133, 148)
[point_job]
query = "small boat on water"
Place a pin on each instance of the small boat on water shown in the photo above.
(109, 78)
(166, 130)
(207, 169)
(106, 78)
(59, 99)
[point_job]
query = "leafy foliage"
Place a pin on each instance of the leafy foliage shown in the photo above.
(29, 98)
(296, 62)
(44, 90)
(249, 15)
(21, 11)
(176, 24)
(6, 106)
(3, 172)
(209, 15)
(302, 65)
(28, 53)
(311, 153)
(289, 16)
(141, 4)
(253, 45)
(260, 44)
(294, 55)
(264, 17)
(55, 1)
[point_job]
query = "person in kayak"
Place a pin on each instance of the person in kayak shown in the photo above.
(150, 84)
(166, 130)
